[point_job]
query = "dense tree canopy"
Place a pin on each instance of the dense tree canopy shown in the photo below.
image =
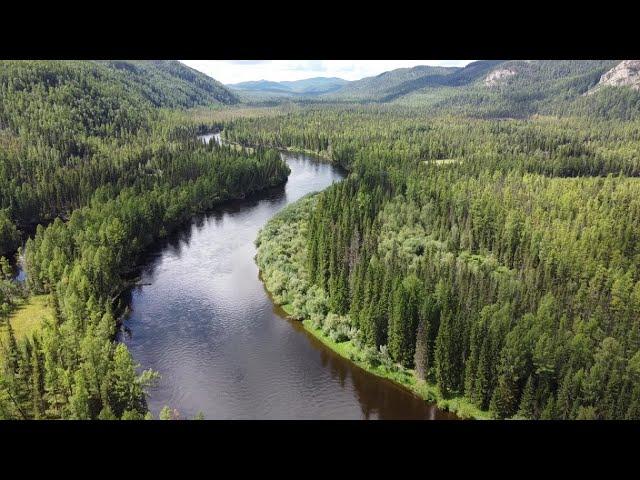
(104, 174)
(486, 237)
(497, 258)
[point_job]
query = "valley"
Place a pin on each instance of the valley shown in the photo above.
(431, 242)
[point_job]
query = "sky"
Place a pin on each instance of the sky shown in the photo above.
(234, 71)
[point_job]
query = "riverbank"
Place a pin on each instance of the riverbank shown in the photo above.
(320, 156)
(281, 258)
(230, 348)
(131, 278)
(401, 376)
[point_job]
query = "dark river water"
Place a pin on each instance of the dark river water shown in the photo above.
(202, 319)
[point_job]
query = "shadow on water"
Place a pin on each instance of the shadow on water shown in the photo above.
(379, 397)
(179, 240)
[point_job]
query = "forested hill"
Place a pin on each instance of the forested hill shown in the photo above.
(61, 120)
(506, 89)
(523, 88)
(100, 157)
(392, 84)
(169, 83)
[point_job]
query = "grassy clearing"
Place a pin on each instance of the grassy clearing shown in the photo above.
(444, 161)
(28, 316)
(402, 376)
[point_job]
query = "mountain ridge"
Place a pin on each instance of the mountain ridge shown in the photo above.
(306, 86)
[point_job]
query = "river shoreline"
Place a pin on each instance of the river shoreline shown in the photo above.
(132, 277)
(321, 157)
(205, 323)
(284, 230)
(404, 378)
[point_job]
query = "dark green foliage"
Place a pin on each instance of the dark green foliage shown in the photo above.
(84, 142)
(499, 258)
(9, 235)
(522, 250)
(68, 128)
(169, 83)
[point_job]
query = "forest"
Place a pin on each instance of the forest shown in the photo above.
(103, 178)
(483, 249)
(495, 259)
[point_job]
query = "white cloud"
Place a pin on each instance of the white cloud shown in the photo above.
(233, 71)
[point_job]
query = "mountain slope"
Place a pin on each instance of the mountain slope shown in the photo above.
(70, 99)
(169, 83)
(520, 88)
(389, 85)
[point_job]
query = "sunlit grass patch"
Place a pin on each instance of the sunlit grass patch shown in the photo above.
(28, 315)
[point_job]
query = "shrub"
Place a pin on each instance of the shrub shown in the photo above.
(371, 356)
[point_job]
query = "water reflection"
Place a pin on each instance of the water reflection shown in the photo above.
(203, 319)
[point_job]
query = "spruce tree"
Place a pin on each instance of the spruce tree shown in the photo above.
(443, 356)
(527, 402)
(504, 402)
(421, 357)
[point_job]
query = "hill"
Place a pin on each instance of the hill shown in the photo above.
(485, 89)
(59, 119)
(169, 83)
(389, 85)
(522, 88)
(309, 87)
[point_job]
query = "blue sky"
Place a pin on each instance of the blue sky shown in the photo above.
(233, 71)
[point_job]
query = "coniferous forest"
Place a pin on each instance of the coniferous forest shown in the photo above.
(103, 172)
(483, 249)
(496, 258)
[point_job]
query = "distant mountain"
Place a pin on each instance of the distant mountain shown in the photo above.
(485, 88)
(391, 84)
(306, 87)
(259, 86)
(316, 85)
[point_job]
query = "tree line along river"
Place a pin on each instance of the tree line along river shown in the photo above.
(202, 318)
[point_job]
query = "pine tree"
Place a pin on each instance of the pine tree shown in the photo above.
(566, 393)
(125, 389)
(633, 412)
(106, 414)
(549, 411)
(481, 393)
(165, 413)
(397, 317)
(37, 384)
(14, 381)
(79, 401)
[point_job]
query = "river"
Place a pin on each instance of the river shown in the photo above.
(202, 319)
